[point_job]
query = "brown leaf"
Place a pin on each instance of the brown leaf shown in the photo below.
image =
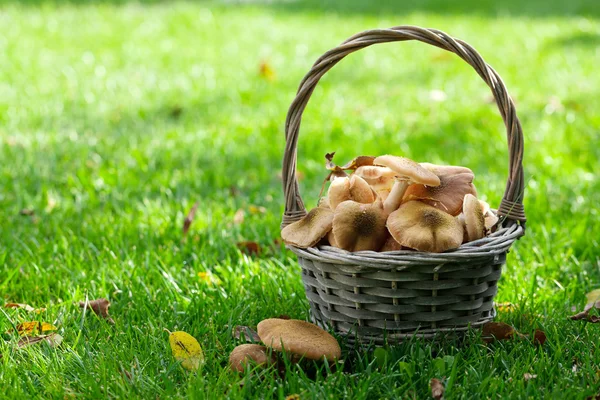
(249, 247)
(25, 307)
(497, 331)
(504, 307)
(245, 333)
(188, 220)
(585, 314)
(53, 340)
(437, 388)
(527, 376)
(99, 307)
(283, 316)
(539, 337)
(27, 212)
(238, 217)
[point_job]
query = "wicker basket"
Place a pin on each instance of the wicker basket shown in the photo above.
(390, 296)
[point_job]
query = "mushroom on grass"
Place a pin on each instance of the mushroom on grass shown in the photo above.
(299, 338)
(407, 172)
(425, 228)
(245, 353)
(309, 230)
(455, 183)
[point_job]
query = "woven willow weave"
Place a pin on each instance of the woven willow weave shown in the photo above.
(393, 295)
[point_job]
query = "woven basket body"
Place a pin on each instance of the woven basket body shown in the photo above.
(389, 296)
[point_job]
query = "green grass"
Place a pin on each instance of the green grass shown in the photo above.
(116, 117)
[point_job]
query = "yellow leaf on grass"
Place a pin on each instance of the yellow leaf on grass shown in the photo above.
(186, 349)
(593, 296)
(32, 327)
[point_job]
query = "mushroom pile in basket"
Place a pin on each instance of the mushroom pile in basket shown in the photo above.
(390, 203)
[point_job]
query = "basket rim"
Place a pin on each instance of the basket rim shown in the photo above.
(493, 245)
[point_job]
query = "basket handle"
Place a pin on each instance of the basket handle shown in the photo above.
(511, 206)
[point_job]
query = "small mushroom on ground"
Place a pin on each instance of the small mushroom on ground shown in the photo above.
(255, 353)
(349, 188)
(300, 338)
(359, 226)
(408, 172)
(473, 218)
(309, 230)
(455, 183)
(425, 228)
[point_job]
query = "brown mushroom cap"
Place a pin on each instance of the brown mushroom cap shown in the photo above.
(408, 169)
(309, 230)
(473, 216)
(448, 196)
(359, 226)
(349, 188)
(446, 169)
(490, 219)
(391, 245)
(244, 353)
(300, 338)
(424, 228)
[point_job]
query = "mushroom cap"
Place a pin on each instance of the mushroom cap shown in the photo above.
(359, 226)
(425, 228)
(489, 217)
(407, 168)
(440, 170)
(331, 239)
(391, 245)
(448, 196)
(380, 178)
(310, 229)
(474, 220)
(349, 188)
(242, 354)
(299, 337)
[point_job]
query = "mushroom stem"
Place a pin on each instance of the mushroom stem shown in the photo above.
(394, 199)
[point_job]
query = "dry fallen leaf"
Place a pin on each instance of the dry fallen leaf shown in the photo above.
(497, 331)
(505, 307)
(53, 340)
(585, 314)
(293, 397)
(266, 71)
(245, 333)
(283, 316)
(186, 349)
(249, 247)
(539, 337)
(527, 376)
(238, 217)
(593, 296)
(25, 307)
(188, 220)
(34, 327)
(99, 307)
(437, 388)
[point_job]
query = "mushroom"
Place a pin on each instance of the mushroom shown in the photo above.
(490, 219)
(359, 226)
(391, 245)
(244, 353)
(408, 172)
(380, 178)
(310, 229)
(473, 218)
(455, 183)
(300, 338)
(424, 228)
(349, 188)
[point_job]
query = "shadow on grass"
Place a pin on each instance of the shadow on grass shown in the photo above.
(534, 8)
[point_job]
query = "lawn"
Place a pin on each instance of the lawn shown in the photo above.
(116, 117)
